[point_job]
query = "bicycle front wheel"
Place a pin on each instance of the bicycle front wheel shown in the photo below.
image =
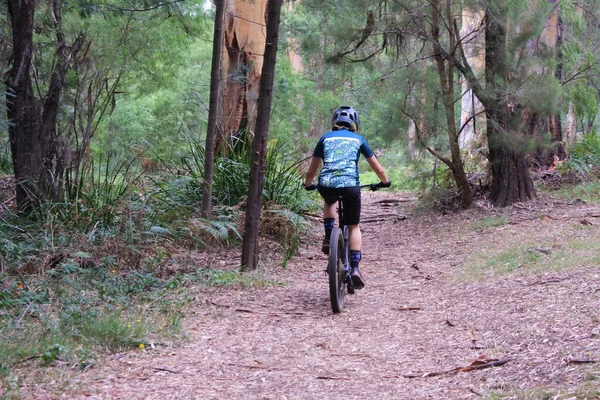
(336, 270)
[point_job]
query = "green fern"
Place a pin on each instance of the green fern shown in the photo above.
(218, 229)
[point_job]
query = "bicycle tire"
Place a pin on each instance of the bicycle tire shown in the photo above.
(336, 270)
(346, 260)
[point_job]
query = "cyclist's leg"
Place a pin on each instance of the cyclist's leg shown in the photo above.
(329, 211)
(352, 206)
(328, 224)
(354, 237)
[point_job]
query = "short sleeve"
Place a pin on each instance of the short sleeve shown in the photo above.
(365, 149)
(319, 149)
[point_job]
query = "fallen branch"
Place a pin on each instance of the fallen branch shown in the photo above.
(165, 370)
(575, 361)
(475, 365)
(407, 308)
(352, 355)
(252, 366)
(247, 311)
(547, 281)
(333, 378)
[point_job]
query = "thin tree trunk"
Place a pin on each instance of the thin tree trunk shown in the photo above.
(250, 248)
(446, 75)
(471, 137)
(213, 112)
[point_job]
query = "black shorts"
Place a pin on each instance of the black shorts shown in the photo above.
(350, 201)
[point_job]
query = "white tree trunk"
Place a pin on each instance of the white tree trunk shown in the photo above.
(471, 136)
(571, 128)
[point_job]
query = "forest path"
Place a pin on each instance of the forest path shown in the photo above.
(419, 314)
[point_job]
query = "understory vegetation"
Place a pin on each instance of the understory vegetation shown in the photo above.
(112, 261)
(112, 266)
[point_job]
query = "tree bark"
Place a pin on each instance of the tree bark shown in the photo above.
(242, 61)
(511, 181)
(213, 113)
(550, 40)
(23, 109)
(250, 249)
(446, 75)
(33, 136)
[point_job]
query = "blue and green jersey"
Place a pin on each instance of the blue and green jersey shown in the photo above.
(340, 151)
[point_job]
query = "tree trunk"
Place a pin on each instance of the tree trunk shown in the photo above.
(23, 109)
(472, 119)
(571, 129)
(33, 136)
(539, 125)
(446, 75)
(250, 248)
(215, 79)
(242, 61)
(511, 181)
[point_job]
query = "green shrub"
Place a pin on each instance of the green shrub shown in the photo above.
(583, 156)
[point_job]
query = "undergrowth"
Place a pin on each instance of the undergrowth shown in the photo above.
(111, 265)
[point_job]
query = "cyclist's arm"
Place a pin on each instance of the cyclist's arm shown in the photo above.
(378, 169)
(313, 167)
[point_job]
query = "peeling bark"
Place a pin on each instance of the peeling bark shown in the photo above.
(243, 45)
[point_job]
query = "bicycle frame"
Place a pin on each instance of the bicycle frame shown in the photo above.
(338, 264)
(346, 235)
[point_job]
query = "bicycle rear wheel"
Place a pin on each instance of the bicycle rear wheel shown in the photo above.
(336, 270)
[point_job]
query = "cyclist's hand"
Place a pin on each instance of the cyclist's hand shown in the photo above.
(312, 186)
(376, 186)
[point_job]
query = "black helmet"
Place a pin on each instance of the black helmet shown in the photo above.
(345, 117)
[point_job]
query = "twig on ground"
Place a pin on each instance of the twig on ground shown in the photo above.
(547, 281)
(575, 361)
(27, 359)
(252, 366)
(407, 308)
(476, 365)
(165, 370)
(334, 378)
(352, 355)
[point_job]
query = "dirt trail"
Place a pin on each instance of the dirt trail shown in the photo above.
(413, 320)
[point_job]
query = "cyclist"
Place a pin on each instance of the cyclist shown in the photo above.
(339, 150)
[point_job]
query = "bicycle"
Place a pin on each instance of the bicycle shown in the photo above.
(338, 263)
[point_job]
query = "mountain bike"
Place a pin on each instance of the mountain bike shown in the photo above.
(338, 262)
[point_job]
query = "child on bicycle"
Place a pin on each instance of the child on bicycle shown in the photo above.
(339, 150)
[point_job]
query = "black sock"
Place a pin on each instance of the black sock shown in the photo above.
(354, 258)
(328, 224)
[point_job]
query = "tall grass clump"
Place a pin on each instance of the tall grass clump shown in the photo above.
(92, 197)
(283, 181)
(282, 184)
(5, 158)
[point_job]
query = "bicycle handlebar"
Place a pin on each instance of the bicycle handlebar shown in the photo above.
(376, 186)
(371, 186)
